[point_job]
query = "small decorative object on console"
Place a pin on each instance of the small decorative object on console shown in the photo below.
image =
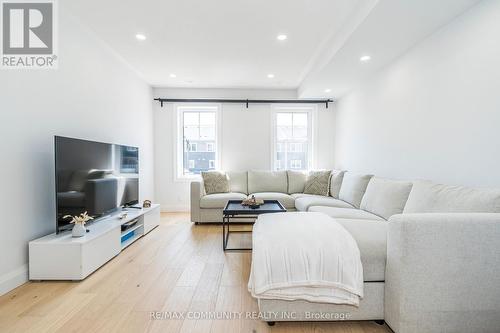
(79, 221)
(146, 204)
(252, 202)
(123, 215)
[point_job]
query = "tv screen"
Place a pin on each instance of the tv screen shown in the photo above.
(94, 177)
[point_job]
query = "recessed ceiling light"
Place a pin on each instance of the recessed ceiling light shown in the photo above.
(365, 58)
(173, 75)
(271, 76)
(328, 90)
(140, 37)
(282, 37)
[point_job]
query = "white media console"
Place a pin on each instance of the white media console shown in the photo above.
(62, 257)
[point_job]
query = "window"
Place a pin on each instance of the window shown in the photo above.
(295, 147)
(278, 164)
(292, 138)
(295, 164)
(197, 140)
(129, 159)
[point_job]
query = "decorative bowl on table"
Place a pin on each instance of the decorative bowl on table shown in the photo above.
(252, 202)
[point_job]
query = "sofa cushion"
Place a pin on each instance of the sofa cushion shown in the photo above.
(301, 195)
(286, 200)
(345, 213)
(353, 188)
(371, 237)
(215, 182)
(304, 201)
(428, 197)
(386, 197)
(296, 181)
(219, 200)
(318, 182)
(238, 181)
(336, 183)
(267, 181)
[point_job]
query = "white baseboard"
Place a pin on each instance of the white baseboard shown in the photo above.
(13, 279)
(174, 208)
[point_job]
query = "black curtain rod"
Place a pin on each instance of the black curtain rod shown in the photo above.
(244, 101)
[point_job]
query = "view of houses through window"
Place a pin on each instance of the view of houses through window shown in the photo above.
(292, 140)
(199, 141)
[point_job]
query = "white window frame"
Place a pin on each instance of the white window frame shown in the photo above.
(295, 145)
(179, 144)
(312, 114)
(277, 164)
(294, 168)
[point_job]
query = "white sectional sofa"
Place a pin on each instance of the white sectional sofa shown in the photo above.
(430, 252)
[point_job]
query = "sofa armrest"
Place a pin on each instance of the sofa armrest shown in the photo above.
(443, 273)
(197, 192)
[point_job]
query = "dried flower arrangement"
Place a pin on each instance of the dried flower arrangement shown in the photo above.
(80, 219)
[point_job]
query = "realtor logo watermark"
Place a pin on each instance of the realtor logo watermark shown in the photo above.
(29, 34)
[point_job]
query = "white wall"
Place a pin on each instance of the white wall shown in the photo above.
(435, 112)
(246, 138)
(92, 95)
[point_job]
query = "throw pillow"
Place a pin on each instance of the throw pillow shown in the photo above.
(318, 182)
(215, 182)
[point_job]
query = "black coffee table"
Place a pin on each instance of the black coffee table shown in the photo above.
(235, 210)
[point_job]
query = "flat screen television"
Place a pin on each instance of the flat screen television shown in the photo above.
(94, 177)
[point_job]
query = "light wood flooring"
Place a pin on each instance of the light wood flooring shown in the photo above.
(178, 267)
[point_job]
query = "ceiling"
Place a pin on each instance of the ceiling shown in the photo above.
(388, 31)
(233, 44)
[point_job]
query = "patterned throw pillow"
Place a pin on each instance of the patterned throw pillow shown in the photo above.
(215, 182)
(318, 182)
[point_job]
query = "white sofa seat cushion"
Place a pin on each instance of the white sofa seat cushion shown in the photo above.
(303, 202)
(267, 181)
(219, 200)
(353, 188)
(429, 197)
(286, 200)
(345, 213)
(238, 181)
(302, 195)
(386, 197)
(371, 237)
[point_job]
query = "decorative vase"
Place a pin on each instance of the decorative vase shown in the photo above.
(78, 230)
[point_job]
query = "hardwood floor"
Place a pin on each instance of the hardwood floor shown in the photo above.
(179, 267)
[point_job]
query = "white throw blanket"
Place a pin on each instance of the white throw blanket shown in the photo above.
(305, 256)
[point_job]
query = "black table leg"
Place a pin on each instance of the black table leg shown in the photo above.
(224, 239)
(225, 235)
